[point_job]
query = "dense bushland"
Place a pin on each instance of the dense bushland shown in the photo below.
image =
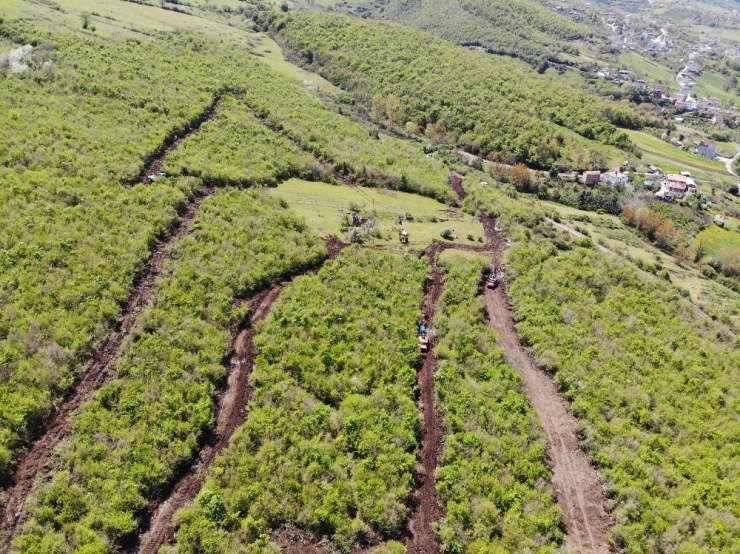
(236, 148)
(484, 103)
(77, 126)
(654, 385)
(492, 480)
(522, 28)
(132, 438)
(297, 132)
(330, 441)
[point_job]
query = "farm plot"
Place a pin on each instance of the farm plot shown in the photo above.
(330, 440)
(133, 438)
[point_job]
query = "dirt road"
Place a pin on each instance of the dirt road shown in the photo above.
(232, 412)
(32, 463)
(577, 484)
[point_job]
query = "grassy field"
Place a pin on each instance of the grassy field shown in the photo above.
(646, 67)
(326, 206)
(117, 18)
(710, 84)
(670, 159)
(716, 239)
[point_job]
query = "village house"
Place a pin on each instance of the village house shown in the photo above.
(615, 177)
(707, 148)
(690, 104)
(694, 68)
(677, 186)
(624, 74)
(641, 84)
(591, 177)
(718, 119)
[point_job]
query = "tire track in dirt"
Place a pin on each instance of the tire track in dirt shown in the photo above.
(32, 464)
(578, 486)
(579, 490)
(426, 509)
(231, 414)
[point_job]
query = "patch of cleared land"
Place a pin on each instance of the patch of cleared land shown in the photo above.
(325, 207)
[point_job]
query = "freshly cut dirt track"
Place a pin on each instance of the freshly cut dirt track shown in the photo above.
(425, 504)
(173, 142)
(232, 413)
(32, 463)
(578, 487)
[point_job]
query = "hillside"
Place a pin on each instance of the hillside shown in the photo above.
(246, 307)
(520, 28)
(489, 105)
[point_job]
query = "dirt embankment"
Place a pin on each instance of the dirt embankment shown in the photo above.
(231, 414)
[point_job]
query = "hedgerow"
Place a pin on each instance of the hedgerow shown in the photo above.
(492, 479)
(654, 385)
(329, 444)
(129, 441)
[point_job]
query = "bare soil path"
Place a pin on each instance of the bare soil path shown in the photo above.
(578, 487)
(32, 464)
(231, 414)
(425, 504)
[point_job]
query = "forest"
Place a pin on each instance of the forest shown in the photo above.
(330, 442)
(520, 28)
(489, 105)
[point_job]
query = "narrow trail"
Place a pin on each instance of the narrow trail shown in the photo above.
(32, 464)
(573, 232)
(232, 411)
(580, 492)
(426, 508)
(173, 142)
(231, 414)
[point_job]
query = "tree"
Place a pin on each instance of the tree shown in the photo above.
(85, 18)
(521, 178)
(393, 110)
(377, 111)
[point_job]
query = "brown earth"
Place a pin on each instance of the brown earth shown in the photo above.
(32, 463)
(579, 490)
(424, 503)
(232, 412)
(173, 142)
